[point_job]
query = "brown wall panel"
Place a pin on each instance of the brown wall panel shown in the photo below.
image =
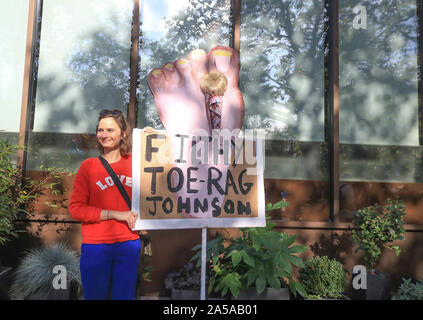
(308, 200)
(357, 195)
(61, 200)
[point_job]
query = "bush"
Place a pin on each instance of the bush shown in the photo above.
(409, 290)
(11, 197)
(260, 258)
(323, 278)
(376, 227)
(35, 272)
(186, 278)
(18, 193)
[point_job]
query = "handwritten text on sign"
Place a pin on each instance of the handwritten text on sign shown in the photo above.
(199, 182)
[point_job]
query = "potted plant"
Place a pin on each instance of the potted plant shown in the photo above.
(323, 278)
(184, 283)
(48, 273)
(409, 290)
(376, 228)
(17, 195)
(261, 260)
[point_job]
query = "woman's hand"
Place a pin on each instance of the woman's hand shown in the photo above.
(130, 217)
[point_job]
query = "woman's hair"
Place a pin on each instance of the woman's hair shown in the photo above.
(126, 141)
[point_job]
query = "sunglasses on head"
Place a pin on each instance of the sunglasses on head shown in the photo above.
(114, 113)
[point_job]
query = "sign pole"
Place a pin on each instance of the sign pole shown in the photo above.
(203, 263)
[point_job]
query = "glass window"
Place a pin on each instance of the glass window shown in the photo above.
(380, 154)
(83, 67)
(171, 30)
(13, 21)
(283, 83)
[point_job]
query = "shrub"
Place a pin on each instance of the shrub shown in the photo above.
(260, 258)
(186, 278)
(376, 227)
(409, 290)
(35, 272)
(323, 278)
(18, 193)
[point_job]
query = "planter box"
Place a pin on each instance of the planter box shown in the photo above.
(267, 294)
(378, 287)
(301, 297)
(50, 294)
(185, 294)
(189, 295)
(70, 293)
(5, 282)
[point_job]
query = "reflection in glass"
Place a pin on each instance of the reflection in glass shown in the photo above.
(378, 74)
(379, 111)
(83, 68)
(378, 120)
(283, 83)
(13, 21)
(170, 30)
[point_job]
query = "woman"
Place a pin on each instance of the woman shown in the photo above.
(110, 249)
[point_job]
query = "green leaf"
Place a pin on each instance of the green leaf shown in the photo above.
(297, 249)
(288, 241)
(211, 284)
(285, 264)
(248, 259)
(260, 283)
(251, 276)
(292, 287)
(230, 281)
(295, 260)
(295, 287)
(278, 205)
(274, 282)
(196, 247)
(256, 244)
(236, 257)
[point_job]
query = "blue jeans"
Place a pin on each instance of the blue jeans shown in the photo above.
(110, 270)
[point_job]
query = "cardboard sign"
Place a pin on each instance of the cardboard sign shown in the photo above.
(177, 192)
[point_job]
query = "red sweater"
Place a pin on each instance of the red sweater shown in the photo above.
(94, 190)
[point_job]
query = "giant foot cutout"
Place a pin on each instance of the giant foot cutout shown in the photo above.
(182, 107)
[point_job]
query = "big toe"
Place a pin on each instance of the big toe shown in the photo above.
(225, 60)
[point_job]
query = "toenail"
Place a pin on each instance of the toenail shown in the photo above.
(223, 53)
(169, 66)
(182, 61)
(222, 59)
(156, 73)
(198, 52)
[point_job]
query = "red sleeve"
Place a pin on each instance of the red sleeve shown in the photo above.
(79, 207)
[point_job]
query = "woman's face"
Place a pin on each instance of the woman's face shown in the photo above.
(109, 134)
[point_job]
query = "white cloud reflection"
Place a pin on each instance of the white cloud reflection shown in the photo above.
(155, 13)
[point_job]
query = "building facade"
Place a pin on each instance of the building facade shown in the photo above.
(336, 85)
